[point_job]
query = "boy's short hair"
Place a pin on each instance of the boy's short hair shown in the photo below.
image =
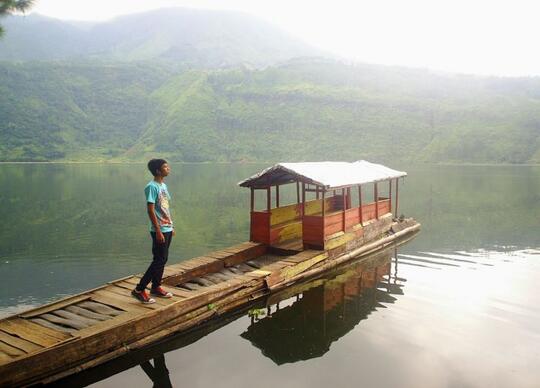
(154, 166)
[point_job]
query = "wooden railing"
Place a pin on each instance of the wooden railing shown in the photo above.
(316, 229)
(286, 223)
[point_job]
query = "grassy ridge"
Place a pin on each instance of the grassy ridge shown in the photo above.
(301, 110)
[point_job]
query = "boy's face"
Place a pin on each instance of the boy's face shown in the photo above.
(164, 170)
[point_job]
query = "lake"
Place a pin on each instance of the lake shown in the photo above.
(454, 307)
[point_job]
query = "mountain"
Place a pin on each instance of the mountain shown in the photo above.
(195, 86)
(304, 109)
(193, 37)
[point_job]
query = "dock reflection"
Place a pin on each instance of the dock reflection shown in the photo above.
(298, 323)
(324, 310)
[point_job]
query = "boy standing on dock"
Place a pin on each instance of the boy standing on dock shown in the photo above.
(161, 230)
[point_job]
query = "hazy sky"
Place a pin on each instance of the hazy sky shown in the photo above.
(471, 36)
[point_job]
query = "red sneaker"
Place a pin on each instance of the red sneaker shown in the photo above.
(142, 297)
(160, 292)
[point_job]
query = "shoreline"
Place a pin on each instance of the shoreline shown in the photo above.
(443, 164)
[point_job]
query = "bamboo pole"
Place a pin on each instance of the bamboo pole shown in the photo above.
(376, 197)
(303, 199)
(344, 208)
(361, 215)
(397, 191)
(390, 194)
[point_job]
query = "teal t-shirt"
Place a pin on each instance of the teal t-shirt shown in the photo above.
(158, 194)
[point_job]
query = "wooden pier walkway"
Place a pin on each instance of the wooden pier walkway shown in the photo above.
(79, 330)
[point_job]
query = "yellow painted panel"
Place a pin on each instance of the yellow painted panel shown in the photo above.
(290, 232)
(338, 241)
(284, 214)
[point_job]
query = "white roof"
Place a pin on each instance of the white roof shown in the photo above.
(328, 174)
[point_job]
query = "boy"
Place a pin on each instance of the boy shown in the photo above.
(161, 230)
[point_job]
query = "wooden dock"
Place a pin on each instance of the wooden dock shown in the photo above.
(85, 330)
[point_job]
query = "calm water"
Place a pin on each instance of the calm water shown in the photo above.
(454, 307)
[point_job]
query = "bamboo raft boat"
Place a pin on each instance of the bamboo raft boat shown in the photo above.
(333, 302)
(287, 244)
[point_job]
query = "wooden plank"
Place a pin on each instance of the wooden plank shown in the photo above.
(74, 317)
(120, 302)
(182, 293)
(222, 276)
(202, 281)
(87, 313)
(228, 274)
(103, 326)
(126, 293)
(63, 321)
(113, 337)
(32, 332)
(122, 296)
(10, 350)
(212, 265)
(290, 271)
(25, 346)
(194, 287)
(129, 286)
(260, 227)
(245, 268)
(54, 306)
(285, 214)
(4, 358)
(100, 308)
(248, 253)
(50, 325)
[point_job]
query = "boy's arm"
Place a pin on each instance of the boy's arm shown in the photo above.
(153, 219)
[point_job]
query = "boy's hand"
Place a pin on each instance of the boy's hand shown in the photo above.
(160, 237)
(173, 233)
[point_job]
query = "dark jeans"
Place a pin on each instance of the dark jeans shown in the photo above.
(154, 273)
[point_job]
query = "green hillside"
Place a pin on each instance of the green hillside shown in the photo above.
(300, 110)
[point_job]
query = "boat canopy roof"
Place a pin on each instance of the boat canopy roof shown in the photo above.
(330, 175)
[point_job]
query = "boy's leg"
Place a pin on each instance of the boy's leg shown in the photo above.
(163, 257)
(157, 252)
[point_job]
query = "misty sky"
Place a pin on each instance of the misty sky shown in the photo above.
(471, 36)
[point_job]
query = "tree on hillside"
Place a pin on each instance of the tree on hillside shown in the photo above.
(9, 6)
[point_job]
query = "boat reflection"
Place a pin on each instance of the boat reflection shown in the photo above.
(320, 312)
(297, 323)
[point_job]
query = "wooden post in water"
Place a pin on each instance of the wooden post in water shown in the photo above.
(361, 216)
(303, 199)
(322, 204)
(323, 214)
(316, 192)
(268, 199)
(390, 195)
(344, 208)
(376, 195)
(252, 209)
(297, 192)
(397, 191)
(277, 195)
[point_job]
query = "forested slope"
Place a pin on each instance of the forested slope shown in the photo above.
(300, 110)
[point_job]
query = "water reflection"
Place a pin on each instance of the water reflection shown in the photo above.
(323, 311)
